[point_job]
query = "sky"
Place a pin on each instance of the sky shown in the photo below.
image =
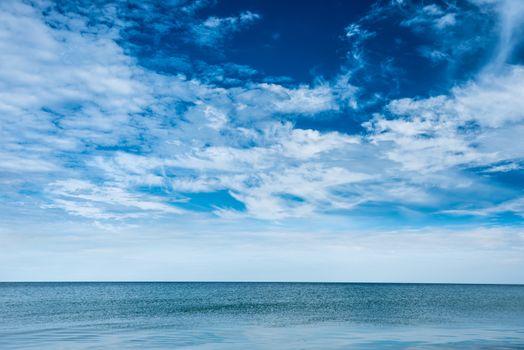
(253, 140)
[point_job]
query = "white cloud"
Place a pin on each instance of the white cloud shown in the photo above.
(461, 129)
(355, 32)
(302, 99)
(445, 21)
(73, 102)
(288, 163)
(297, 192)
(430, 15)
(13, 162)
(515, 206)
(59, 87)
(502, 168)
(510, 18)
(106, 201)
(214, 29)
(77, 106)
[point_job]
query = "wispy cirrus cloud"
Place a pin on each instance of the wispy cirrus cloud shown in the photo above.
(432, 15)
(214, 30)
(82, 198)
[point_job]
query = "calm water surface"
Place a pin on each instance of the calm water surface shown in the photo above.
(260, 316)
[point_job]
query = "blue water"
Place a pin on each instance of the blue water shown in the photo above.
(260, 316)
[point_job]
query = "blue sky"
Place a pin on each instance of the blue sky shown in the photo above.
(262, 140)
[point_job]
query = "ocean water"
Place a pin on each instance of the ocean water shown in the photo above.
(260, 316)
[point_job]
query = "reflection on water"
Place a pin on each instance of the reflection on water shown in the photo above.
(260, 316)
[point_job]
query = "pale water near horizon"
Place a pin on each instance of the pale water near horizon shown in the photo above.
(192, 315)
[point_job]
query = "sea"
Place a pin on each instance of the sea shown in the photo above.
(223, 315)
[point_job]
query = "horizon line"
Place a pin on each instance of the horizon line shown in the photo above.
(269, 282)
